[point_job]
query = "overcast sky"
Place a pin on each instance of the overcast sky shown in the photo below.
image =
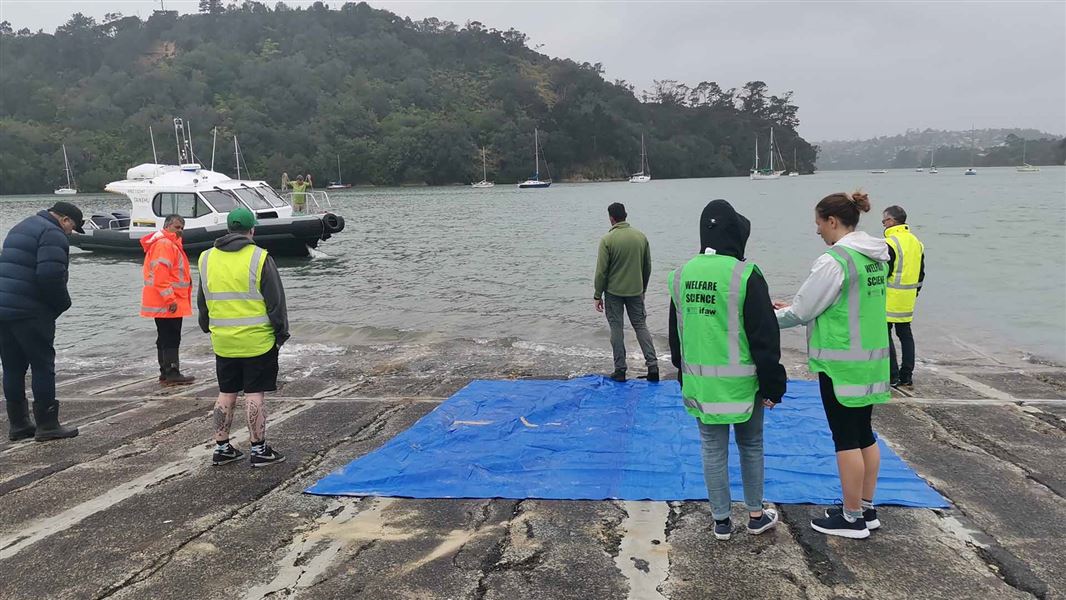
(858, 69)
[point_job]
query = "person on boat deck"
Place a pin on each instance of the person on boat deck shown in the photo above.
(165, 296)
(33, 293)
(623, 268)
(299, 195)
(842, 302)
(242, 305)
(906, 273)
(726, 345)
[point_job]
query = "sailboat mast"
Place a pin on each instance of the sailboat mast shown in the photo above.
(756, 152)
(771, 149)
(338, 168)
(1024, 144)
(642, 152)
(536, 155)
(484, 167)
(66, 164)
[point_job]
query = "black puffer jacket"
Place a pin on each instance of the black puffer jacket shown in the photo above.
(33, 269)
(726, 231)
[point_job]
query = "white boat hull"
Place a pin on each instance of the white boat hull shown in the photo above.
(970, 172)
(66, 192)
(763, 176)
(482, 185)
(1028, 169)
(533, 184)
(640, 179)
(793, 174)
(879, 171)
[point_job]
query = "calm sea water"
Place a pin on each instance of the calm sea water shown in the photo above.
(508, 264)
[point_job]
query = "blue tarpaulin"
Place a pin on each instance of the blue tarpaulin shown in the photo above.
(593, 439)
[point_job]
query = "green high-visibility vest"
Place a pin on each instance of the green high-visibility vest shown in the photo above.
(238, 315)
(849, 341)
(718, 375)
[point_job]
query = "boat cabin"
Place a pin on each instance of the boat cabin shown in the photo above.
(203, 197)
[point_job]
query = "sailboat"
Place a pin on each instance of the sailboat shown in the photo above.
(338, 185)
(765, 173)
(1026, 167)
(644, 174)
(795, 165)
(535, 181)
(484, 183)
(71, 186)
(932, 165)
(973, 148)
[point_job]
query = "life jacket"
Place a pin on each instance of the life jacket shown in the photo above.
(903, 280)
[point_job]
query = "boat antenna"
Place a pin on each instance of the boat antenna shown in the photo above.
(192, 155)
(179, 132)
(155, 157)
(237, 155)
(214, 139)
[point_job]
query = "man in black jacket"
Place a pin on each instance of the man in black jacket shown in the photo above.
(725, 232)
(33, 293)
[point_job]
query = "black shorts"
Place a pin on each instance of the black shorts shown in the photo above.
(250, 375)
(851, 427)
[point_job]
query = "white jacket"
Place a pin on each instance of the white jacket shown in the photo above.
(824, 284)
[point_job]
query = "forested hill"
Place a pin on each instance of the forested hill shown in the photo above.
(915, 148)
(399, 101)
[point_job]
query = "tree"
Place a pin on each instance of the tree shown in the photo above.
(752, 98)
(212, 7)
(5, 28)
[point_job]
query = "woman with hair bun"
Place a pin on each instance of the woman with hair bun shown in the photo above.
(842, 302)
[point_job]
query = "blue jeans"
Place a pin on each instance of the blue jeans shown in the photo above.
(714, 439)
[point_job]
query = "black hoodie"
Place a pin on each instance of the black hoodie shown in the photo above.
(726, 231)
(270, 286)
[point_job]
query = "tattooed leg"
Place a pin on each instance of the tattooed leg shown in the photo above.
(257, 418)
(223, 415)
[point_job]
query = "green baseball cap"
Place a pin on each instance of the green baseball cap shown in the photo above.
(240, 219)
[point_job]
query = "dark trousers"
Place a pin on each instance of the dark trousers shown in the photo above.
(903, 371)
(614, 306)
(168, 333)
(29, 344)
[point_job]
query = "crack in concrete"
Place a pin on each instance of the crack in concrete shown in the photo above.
(815, 547)
(644, 563)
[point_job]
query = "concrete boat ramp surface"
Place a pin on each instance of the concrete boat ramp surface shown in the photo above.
(132, 509)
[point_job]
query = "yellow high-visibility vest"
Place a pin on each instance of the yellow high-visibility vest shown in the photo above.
(903, 283)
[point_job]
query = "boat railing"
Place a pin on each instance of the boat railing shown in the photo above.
(318, 198)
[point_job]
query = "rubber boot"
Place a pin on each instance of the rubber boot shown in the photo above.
(173, 369)
(20, 427)
(160, 355)
(48, 427)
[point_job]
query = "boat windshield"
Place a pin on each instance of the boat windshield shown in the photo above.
(252, 199)
(271, 196)
(222, 201)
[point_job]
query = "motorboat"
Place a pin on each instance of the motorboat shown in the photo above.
(204, 198)
(970, 171)
(644, 174)
(536, 182)
(879, 171)
(70, 189)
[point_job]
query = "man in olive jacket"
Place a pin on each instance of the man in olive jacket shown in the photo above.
(622, 273)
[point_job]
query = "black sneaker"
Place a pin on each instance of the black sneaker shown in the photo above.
(908, 382)
(653, 375)
(723, 529)
(894, 382)
(619, 375)
(868, 514)
(230, 454)
(268, 456)
(767, 521)
(839, 526)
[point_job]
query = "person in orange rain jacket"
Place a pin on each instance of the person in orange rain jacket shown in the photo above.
(165, 296)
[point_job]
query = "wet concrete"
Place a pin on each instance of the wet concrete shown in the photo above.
(132, 509)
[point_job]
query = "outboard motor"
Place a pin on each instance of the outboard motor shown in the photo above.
(331, 224)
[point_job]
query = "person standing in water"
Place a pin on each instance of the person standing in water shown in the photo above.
(623, 269)
(726, 345)
(906, 272)
(842, 302)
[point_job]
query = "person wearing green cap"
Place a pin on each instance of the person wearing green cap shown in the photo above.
(242, 306)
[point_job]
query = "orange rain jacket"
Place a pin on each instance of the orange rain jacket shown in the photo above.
(166, 277)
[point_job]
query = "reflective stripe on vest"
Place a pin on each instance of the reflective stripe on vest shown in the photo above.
(718, 384)
(859, 374)
(237, 316)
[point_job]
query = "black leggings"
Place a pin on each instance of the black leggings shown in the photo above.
(851, 427)
(168, 333)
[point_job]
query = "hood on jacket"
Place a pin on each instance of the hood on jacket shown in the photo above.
(872, 247)
(149, 240)
(724, 229)
(232, 242)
